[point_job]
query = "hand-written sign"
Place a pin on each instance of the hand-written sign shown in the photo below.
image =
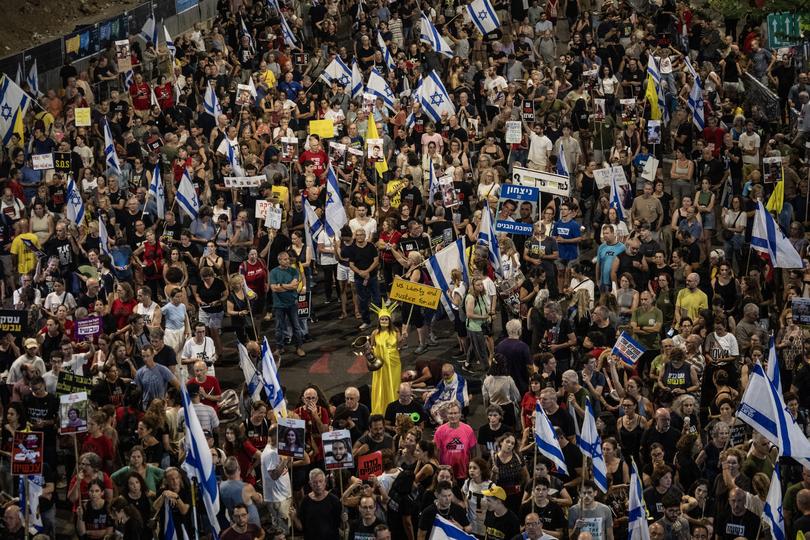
(415, 293)
(244, 181)
(553, 184)
(369, 465)
(70, 383)
(603, 177)
(514, 132)
(82, 116)
(14, 321)
(42, 162)
(26, 452)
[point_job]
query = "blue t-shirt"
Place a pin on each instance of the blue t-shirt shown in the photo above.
(567, 230)
(605, 255)
(282, 276)
(153, 382)
(174, 316)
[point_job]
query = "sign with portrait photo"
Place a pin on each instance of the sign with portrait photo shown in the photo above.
(375, 149)
(629, 110)
(654, 131)
(243, 95)
(771, 170)
(291, 437)
(289, 149)
(517, 209)
(123, 55)
(337, 449)
(73, 411)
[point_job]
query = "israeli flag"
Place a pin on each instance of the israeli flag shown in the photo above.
(18, 79)
(35, 485)
(274, 4)
(441, 265)
(590, 444)
(428, 34)
(289, 37)
(156, 190)
(773, 506)
(199, 465)
(169, 41)
(767, 237)
(33, 80)
(253, 379)
(338, 72)
(103, 238)
(357, 80)
(387, 58)
(272, 386)
(433, 182)
(210, 102)
(652, 69)
(546, 439)
(129, 79)
(434, 97)
(110, 155)
(170, 530)
(615, 199)
(335, 214)
(13, 103)
(377, 86)
(637, 528)
(695, 103)
(562, 166)
(186, 197)
(149, 31)
(416, 97)
(444, 529)
(75, 204)
(230, 149)
(487, 236)
(773, 368)
(764, 409)
(245, 32)
(312, 223)
(483, 16)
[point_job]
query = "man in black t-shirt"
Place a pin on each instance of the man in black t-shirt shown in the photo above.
(363, 528)
(445, 507)
(164, 355)
(500, 522)
(42, 409)
(405, 405)
(376, 439)
(737, 521)
(363, 260)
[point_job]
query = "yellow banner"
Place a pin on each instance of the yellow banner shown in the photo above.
(82, 116)
(415, 293)
(324, 128)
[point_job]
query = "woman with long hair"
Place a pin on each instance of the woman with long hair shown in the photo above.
(627, 297)
(151, 475)
(477, 315)
(499, 389)
(735, 221)
(239, 309)
(93, 519)
(457, 292)
(149, 256)
(239, 446)
(427, 463)
(617, 471)
(129, 522)
(386, 341)
(509, 471)
(478, 480)
(136, 493)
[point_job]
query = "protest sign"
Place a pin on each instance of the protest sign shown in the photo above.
(553, 184)
(514, 132)
(123, 55)
(628, 349)
(42, 162)
(654, 131)
(261, 208)
(289, 148)
(291, 441)
(14, 321)
(448, 192)
(374, 147)
(337, 154)
(272, 217)
(325, 129)
(62, 162)
(90, 326)
(599, 109)
(26, 452)
(303, 305)
(415, 293)
(337, 449)
(244, 181)
(82, 116)
(517, 209)
(800, 309)
(602, 177)
(628, 109)
(771, 170)
(243, 95)
(73, 410)
(70, 383)
(528, 110)
(369, 465)
(650, 169)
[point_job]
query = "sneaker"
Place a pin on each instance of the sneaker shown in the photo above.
(327, 301)
(432, 339)
(421, 349)
(363, 327)
(467, 367)
(300, 352)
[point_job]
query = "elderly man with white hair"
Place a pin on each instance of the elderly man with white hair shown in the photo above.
(518, 356)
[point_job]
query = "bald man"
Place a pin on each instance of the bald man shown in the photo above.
(737, 521)
(690, 300)
(534, 529)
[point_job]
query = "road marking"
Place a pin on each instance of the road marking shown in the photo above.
(321, 366)
(359, 366)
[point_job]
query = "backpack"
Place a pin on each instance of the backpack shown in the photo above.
(403, 494)
(127, 431)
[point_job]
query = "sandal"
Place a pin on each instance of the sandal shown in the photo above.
(342, 316)
(357, 315)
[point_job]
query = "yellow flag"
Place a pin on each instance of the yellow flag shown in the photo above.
(652, 98)
(777, 199)
(18, 126)
(371, 133)
(799, 535)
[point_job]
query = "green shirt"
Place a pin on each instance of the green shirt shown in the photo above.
(648, 318)
(282, 276)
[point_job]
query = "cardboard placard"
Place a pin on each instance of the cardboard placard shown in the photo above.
(291, 437)
(82, 115)
(448, 191)
(243, 95)
(62, 162)
(337, 449)
(603, 177)
(90, 326)
(42, 162)
(261, 208)
(514, 132)
(325, 129)
(123, 56)
(650, 169)
(70, 383)
(272, 216)
(599, 110)
(516, 203)
(628, 349)
(14, 321)
(772, 170)
(244, 181)
(289, 148)
(374, 147)
(369, 465)
(554, 184)
(415, 293)
(653, 131)
(73, 411)
(26, 452)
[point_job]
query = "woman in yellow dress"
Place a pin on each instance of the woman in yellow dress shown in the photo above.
(385, 342)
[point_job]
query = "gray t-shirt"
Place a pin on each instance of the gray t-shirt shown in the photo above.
(598, 520)
(153, 382)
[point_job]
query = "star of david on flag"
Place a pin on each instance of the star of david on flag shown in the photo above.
(482, 15)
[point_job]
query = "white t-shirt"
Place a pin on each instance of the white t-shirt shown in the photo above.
(204, 351)
(329, 243)
(539, 149)
(750, 142)
(54, 300)
(277, 490)
(370, 226)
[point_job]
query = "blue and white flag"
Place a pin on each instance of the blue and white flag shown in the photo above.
(590, 444)
(335, 213)
(628, 349)
(546, 439)
(616, 199)
(440, 267)
(243, 31)
(312, 224)
(110, 155)
(428, 34)
(29, 499)
(149, 31)
(483, 16)
(562, 166)
(416, 97)
(198, 463)
(444, 529)
(434, 97)
(19, 78)
(767, 237)
(33, 80)
(772, 370)
(338, 72)
(169, 41)
(286, 31)
(253, 378)
(695, 100)
(377, 86)
(156, 190)
(274, 4)
(13, 104)
(637, 528)
(652, 69)
(272, 386)
(487, 236)
(357, 80)
(75, 204)
(433, 182)
(210, 102)
(186, 197)
(764, 409)
(230, 149)
(170, 530)
(773, 506)
(129, 79)
(386, 54)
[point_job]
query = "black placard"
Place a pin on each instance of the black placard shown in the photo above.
(62, 162)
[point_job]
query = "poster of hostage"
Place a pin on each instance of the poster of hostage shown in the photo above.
(517, 209)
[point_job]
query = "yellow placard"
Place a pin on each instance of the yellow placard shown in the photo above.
(323, 128)
(72, 44)
(82, 116)
(415, 293)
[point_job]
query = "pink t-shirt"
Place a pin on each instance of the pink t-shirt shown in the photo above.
(455, 447)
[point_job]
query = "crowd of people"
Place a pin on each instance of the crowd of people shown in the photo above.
(664, 259)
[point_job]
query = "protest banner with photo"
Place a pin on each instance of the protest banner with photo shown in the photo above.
(291, 437)
(337, 449)
(70, 383)
(599, 109)
(653, 131)
(73, 413)
(272, 218)
(628, 349)
(368, 102)
(448, 192)
(62, 162)
(337, 154)
(800, 310)
(517, 209)
(772, 170)
(13, 321)
(415, 293)
(26, 452)
(289, 148)
(82, 116)
(243, 95)
(369, 465)
(375, 149)
(629, 110)
(553, 184)
(42, 162)
(244, 181)
(603, 177)
(123, 55)
(514, 132)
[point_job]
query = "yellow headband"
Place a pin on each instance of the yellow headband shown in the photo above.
(386, 310)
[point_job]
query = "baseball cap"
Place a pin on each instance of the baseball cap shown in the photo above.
(495, 491)
(31, 342)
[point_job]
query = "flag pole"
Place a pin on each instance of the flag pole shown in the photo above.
(534, 474)
(194, 508)
(25, 506)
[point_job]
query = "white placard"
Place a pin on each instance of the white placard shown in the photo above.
(546, 182)
(42, 162)
(272, 219)
(244, 181)
(650, 168)
(514, 132)
(603, 177)
(261, 208)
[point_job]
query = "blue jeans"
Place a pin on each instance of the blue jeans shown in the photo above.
(367, 293)
(284, 316)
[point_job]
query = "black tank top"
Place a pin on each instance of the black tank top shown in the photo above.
(680, 377)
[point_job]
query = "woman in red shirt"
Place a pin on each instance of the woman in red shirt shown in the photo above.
(238, 446)
(123, 304)
(389, 237)
(150, 257)
(141, 96)
(255, 273)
